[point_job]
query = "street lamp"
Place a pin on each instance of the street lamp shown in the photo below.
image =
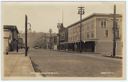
(81, 12)
(26, 27)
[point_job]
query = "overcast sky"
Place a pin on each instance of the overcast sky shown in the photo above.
(46, 15)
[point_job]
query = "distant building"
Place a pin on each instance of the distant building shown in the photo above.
(50, 40)
(97, 34)
(10, 38)
(46, 41)
(20, 43)
(32, 38)
(62, 37)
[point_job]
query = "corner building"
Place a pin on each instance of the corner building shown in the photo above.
(97, 34)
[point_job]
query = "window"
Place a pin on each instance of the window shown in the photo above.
(106, 33)
(92, 26)
(87, 35)
(87, 27)
(117, 25)
(117, 33)
(92, 35)
(103, 24)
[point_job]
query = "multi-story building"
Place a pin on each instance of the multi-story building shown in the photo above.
(50, 40)
(62, 36)
(10, 38)
(97, 34)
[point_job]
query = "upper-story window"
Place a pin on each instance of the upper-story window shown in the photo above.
(92, 25)
(103, 23)
(92, 35)
(117, 24)
(106, 33)
(87, 35)
(117, 34)
(87, 27)
(117, 31)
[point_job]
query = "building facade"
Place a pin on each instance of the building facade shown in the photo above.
(62, 37)
(97, 34)
(10, 38)
(50, 41)
(46, 41)
(20, 43)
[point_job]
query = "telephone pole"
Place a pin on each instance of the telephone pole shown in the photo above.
(50, 38)
(81, 12)
(26, 48)
(114, 32)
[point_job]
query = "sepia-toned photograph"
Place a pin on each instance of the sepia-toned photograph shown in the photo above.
(63, 40)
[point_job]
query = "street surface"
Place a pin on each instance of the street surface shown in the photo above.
(66, 64)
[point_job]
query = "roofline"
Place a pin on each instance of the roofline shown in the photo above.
(8, 27)
(95, 14)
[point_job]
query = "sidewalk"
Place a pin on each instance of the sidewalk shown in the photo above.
(16, 65)
(93, 54)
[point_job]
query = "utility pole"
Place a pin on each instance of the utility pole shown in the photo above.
(50, 31)
(45, 42)
(26, 48)
(59, 40)
(17, 42)
(114, 32)
(81, 12)
(59, 26)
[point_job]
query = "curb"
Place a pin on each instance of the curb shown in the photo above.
(34, 72)
(31, 63)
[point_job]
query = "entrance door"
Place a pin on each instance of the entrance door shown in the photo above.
(90, 46)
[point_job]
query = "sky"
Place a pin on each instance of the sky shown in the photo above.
(45, 15)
